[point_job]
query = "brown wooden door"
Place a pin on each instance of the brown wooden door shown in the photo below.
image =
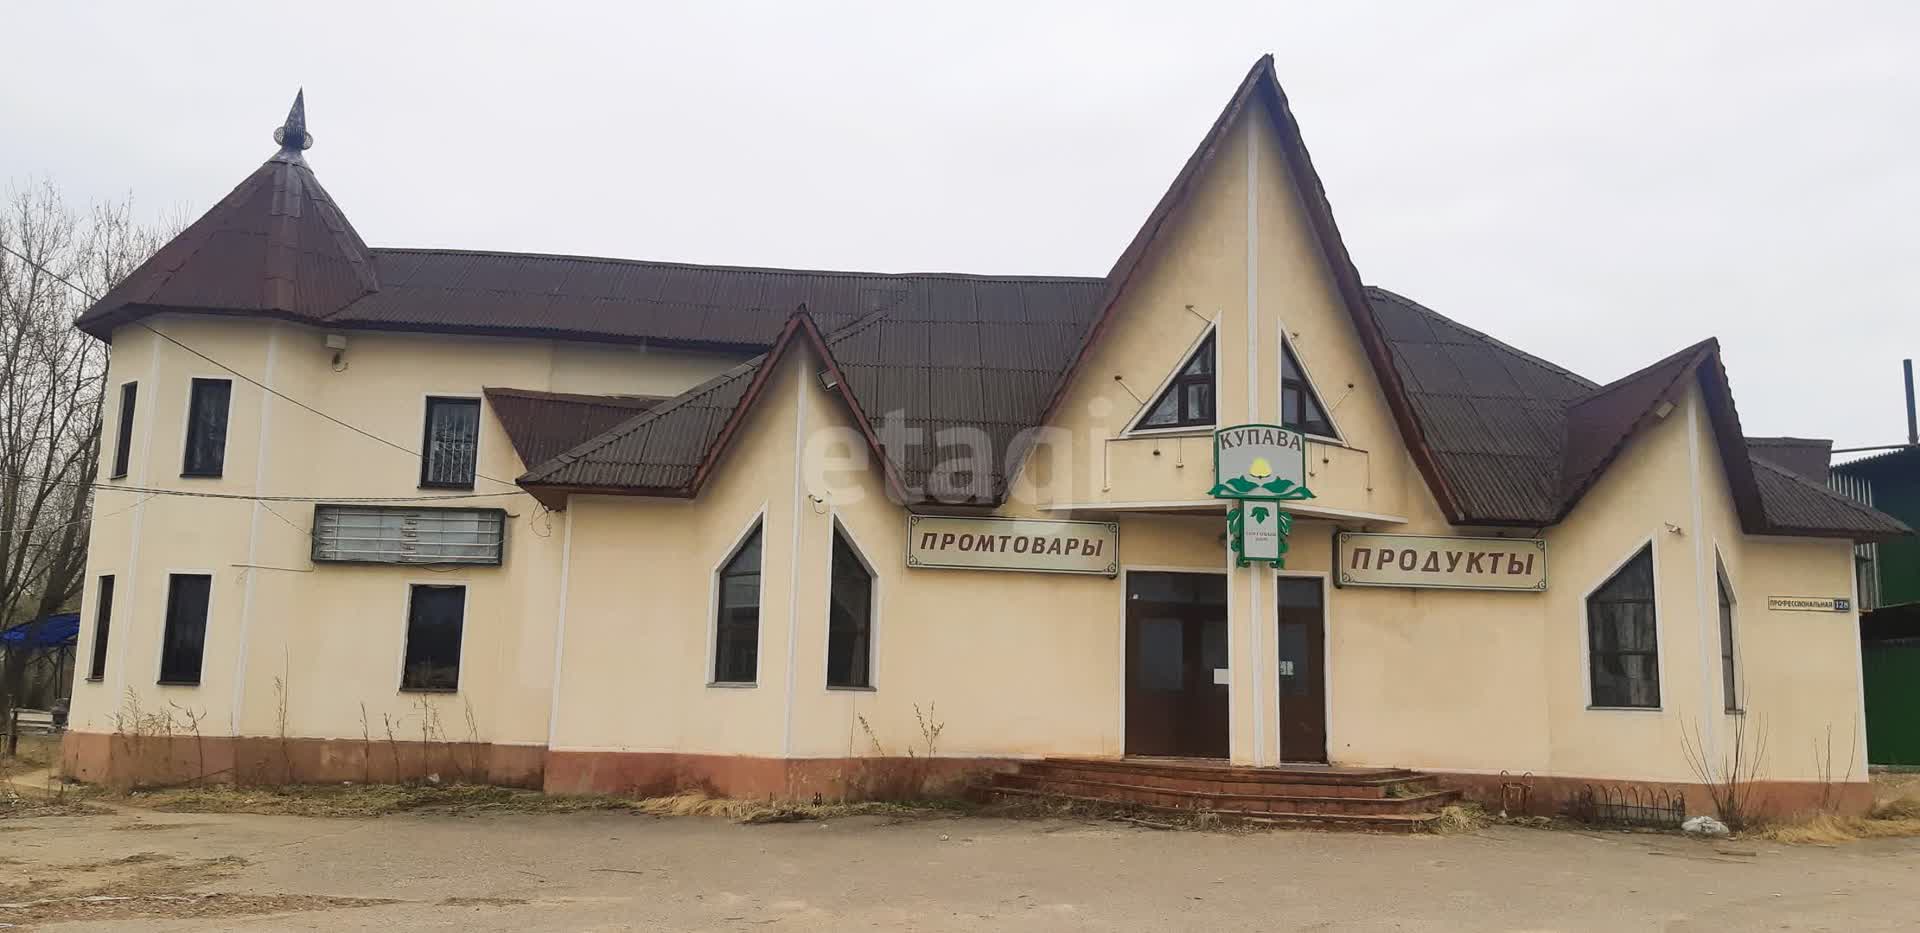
(1176, 639)
(1302, 641)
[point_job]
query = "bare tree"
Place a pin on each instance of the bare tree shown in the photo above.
(52, 381)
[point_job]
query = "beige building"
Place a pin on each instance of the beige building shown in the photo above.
(611, 525)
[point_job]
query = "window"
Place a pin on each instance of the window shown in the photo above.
(207, 427)
(1729, 681)
(123, 432)
(736, 643)
(1188, 399)
(447, 455)
(435, 617)
(1622, 637)
(849, 618)
(102, 615)
(375, 535)
(185, 639)
(1300, 409)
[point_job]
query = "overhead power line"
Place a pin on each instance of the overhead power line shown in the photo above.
(256, 383)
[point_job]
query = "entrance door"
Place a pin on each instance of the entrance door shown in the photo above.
(1176, 641)
(1303, 677)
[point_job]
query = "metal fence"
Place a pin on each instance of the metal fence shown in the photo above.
(1628, 805)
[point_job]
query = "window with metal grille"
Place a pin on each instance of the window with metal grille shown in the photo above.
(449, 452)
(1300, 408)
(736, 641)
(436, 618)
(207, 428)
(102, 624)
(1187, 401)
(123, 432)
(849, 618)
(184, 639)
(1622, 637)
(394, 535)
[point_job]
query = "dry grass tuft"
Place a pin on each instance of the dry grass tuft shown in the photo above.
(1460, 818)
(1895, 814)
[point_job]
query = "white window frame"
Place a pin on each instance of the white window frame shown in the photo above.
(1651, 544)
(406, 621)
(873, 612)
(1280, 386)
(1134, 428)
(756, 523)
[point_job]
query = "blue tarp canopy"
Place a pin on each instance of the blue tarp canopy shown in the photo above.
(55, 630)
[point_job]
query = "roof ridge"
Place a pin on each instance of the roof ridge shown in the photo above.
(642, 419)
(1856, 505)
(1694, 349)
(718, 267)
(1542, 362)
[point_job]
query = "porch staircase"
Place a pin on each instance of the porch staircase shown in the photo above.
(1367, 799)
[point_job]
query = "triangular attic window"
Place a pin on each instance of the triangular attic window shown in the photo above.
(1300, 408)
(1187, 401)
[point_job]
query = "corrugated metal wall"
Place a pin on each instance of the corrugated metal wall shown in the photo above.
(1866, 557)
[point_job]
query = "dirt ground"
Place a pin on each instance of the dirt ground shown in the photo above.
(126, 868)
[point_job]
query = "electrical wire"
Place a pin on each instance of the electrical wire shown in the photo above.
(249, 379)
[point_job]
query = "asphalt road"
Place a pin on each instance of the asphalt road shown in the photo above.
(606, 871)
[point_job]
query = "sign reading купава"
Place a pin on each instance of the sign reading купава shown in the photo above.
(1441, 562)
(950, 543)
(1260, 465)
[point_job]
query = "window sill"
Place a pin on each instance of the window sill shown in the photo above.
(839, 689)
(185, 475)
(447, 486)
(116, 476)
(176, 683)
(732, 684)
(1624, 709)
(1736, 712)
(95, 680)
(429, 689)
(1187, 430)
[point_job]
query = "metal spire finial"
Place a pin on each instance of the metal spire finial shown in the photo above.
(293, 136)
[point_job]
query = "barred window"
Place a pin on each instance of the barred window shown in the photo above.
(389, 535)
(449, 453)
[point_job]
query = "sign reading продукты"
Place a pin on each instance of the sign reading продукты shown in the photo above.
(1260, 465)
(953, 543)
(1441, 562)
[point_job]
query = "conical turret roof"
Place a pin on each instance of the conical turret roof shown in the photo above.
(276, 245)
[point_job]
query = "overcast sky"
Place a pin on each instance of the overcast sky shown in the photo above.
(1596, 183)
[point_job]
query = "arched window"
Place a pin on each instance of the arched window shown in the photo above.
(736, 640)
(1623, 649)
(849, 617)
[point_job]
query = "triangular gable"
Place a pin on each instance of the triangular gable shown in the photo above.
(672, 450)
(1261, 87)
(1600, 425)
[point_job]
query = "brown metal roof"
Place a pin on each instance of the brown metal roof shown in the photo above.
(1808, 458)
(543, 425)
(1796, 506)
(1501, 437)
(276, 245)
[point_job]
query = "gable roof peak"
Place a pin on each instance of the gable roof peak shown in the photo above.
(292, 135)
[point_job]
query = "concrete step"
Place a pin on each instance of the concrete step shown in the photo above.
(1122, 790)
(1230, 779)
(1382, 822)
